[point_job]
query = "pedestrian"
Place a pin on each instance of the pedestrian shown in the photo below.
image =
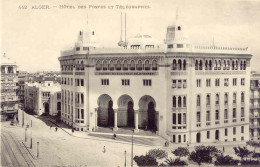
(56, 128)
(104, 149)
(50, 126)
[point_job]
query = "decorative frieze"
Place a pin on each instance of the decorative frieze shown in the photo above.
(126, 73)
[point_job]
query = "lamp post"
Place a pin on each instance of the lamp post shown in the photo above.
(125, 158)
(132, 149)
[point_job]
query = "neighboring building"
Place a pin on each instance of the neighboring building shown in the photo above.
(255, 106)
(22, 76)
(9, 98)
(184, 92)
(43, 98)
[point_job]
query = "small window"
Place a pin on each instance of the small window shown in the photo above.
(208, 134)
(147, 82)
(179, 28)
(104, 82)
(179, 45)
(125, 82)
(198, 82)
(198, 116)
(226, 132)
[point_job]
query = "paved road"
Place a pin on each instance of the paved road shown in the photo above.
(13, 153)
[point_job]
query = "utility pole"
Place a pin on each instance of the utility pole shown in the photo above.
(37, 149)
(132, 149)
(125, 158)
(31, 141)
(25, 135)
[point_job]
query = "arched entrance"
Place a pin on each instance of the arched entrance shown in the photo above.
(46, 108)
(198, 138)
(130, 114)
(125, 111)
(147, 112)
(105, 114)
(217, 134)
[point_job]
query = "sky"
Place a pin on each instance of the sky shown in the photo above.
(35, 37)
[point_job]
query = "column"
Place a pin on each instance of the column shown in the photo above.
(136, 130)
(96, 118)
(115, 120)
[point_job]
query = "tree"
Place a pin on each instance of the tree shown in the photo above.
(146, 160)
(225, 160)
(157, 153)
(242, 152)
(175, 162)
(181, 152)
(252, 143)
(203, 154)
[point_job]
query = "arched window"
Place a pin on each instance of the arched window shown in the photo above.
(184, 65)
(219, 65)
(208, 100)
(82, 65)
(226, 98)
(125, 65)
(210, 65)
(233, 65)
(118, 65)
(174, 101)
(139, 65)
(98, 65)
(242, 97)
(217, 99)
(146, 65)
(196, 65)
(111, 65)
(179, 65)
(198, 100)
(154, 65)
(225, 65)
(241, 65)
(206, 65)
(179, 101)
(244, 65)
(184, 101)
(174, 65)
(200, 65)
(236, 65)
(105, 65)
(234, 98)
(216, 65)
(132, 65)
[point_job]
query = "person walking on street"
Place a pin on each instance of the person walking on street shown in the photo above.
(104, 149)
(56, 128)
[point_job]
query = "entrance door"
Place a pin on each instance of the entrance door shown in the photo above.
(46, 108)
(217, 135)
(151, 117)
(130, 114)
(198, 137)
(110, 119)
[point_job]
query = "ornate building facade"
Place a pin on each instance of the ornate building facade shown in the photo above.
(183, 92)
(255, 106)
(9, 80)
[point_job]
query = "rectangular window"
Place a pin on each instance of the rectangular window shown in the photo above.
(234, 82)
(179, 45)
(198, 116)
(198, 83)
(104, 82)
(234, 130)
(179, 83)
(179, 118)
(208, 116)
(174, 83)
(147, 82)
(217, 115)
(225, 114)
(207, 82)
(226, 82)
(217, 82)
(82, 82)
(170, 46)
(234, 113)
(242, 129)
(242, 112)
(184, 118)
(184, 138)
(82, 113)
(208, 134)
(125, 82)
(173, 138)
(184, 84)
(174, 118)
(242, 81)
(226, 132)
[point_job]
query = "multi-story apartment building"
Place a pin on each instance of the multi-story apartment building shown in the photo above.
(184, 92)
(255, 106)
(9, 98)
(22, 76)
(43, 98)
